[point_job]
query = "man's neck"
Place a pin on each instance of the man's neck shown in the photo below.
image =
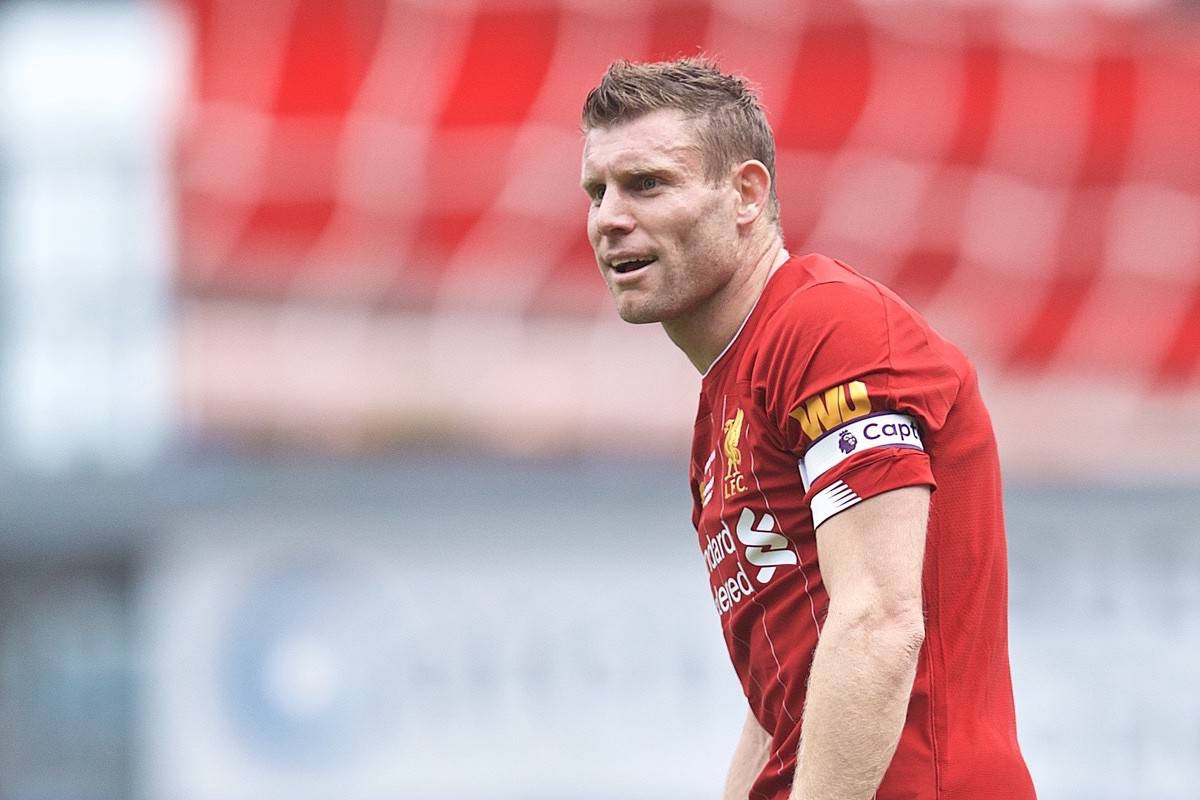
(704, 333)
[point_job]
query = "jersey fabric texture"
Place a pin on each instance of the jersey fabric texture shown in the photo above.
(833, 391)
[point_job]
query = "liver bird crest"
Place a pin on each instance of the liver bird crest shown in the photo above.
(733, 434)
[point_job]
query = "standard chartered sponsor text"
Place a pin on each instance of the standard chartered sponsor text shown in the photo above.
(762, 547)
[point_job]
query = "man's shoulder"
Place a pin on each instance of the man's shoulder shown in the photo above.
(814, 292)
(825, 314)
(812, 306)
(814, 270)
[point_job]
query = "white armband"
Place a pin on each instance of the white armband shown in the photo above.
(885, 429)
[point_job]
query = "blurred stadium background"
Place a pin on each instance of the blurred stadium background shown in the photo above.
(326, 470)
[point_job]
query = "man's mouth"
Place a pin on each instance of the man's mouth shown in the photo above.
(627, 265)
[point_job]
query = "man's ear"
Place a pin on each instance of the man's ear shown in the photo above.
(753, 184)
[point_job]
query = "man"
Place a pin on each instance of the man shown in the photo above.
(844, 473)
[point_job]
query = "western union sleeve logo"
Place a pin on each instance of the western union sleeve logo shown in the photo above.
(824, 412)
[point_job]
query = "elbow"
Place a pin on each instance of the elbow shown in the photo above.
(912, 636)
(907, 623)
(905, 632)
(899, 627)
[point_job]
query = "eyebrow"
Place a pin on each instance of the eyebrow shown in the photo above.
(636, 168)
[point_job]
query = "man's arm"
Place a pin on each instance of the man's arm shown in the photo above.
(871, 557)
(749, 757)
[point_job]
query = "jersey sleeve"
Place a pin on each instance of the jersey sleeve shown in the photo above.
(855, 384)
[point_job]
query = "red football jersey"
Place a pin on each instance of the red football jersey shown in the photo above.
(833, 391)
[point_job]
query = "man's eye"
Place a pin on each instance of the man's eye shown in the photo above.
(597, 194)
(647, 183)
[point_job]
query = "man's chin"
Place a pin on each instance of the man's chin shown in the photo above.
(638, 315)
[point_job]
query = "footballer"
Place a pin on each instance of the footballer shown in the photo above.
(844, 472)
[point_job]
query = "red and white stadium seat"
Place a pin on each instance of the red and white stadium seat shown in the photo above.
(1030, 180)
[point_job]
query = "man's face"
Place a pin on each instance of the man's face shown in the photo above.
(665, 239)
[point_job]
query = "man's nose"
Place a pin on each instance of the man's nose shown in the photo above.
(613, 214)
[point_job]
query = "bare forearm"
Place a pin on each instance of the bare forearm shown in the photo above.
(858, 694)
(749, 757)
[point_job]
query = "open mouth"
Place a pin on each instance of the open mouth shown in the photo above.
(631, 265)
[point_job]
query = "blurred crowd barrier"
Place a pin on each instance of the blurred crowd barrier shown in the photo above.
(382, 233)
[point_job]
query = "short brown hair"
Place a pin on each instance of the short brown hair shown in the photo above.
(731, 126)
